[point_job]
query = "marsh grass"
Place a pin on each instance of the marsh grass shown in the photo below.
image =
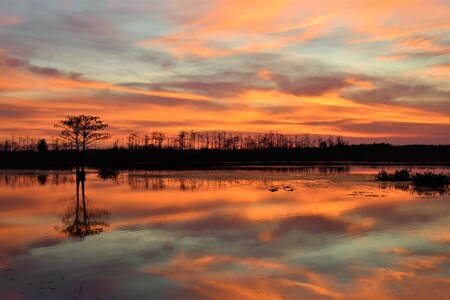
(427, 183)
(428, 179)
(105, 173)
(398, 175)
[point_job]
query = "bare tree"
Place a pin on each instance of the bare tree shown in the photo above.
(83, 130)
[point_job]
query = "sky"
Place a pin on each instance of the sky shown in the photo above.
(370, 70)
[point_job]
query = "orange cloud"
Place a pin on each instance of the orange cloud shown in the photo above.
(201, 274)
(392, 57)
(242, 29)
(365, 84)
(233, 28)
(438, 72)
(19, 76)
(240, 15)
(265, 74)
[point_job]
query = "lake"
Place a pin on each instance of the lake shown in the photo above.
(325, 233)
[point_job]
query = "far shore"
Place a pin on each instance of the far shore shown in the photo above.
(427, 155)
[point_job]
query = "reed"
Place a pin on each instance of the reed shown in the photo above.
(430, 179)
(398, 175)
(418, 180)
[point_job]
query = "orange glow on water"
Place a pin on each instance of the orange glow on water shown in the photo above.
(336, 236)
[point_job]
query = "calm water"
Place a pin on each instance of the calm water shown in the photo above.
(338, 234)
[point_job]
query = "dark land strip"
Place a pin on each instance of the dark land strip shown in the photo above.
(376, 154)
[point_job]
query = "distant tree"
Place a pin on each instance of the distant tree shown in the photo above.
(160, 136)
(42, 145)
(322, 144)
(182, 139)
(330, 141)
(340, 141)
(116, 145)
(83, 130)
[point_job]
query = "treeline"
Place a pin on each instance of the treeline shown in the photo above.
(187, 140)
(215, 159)
(224, 140)
(32, 144)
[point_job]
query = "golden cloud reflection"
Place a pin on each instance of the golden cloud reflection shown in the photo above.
(222, 235)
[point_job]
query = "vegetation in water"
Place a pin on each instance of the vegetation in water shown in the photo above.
(422, 183)
(105, 173)
(398, 175)
(430, 179)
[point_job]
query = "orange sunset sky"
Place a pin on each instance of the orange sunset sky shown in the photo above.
(370, 70)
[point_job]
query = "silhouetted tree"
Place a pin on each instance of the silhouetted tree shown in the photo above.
(133, 141)
(330, 141)
(83, 130)
(42, 145)
(182, 139)
(340, 141)
(160, 136)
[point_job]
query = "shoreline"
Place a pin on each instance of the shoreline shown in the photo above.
(167, 159)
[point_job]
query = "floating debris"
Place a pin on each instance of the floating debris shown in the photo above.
(288, 188)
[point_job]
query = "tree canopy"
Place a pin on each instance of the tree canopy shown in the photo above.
(82, 130)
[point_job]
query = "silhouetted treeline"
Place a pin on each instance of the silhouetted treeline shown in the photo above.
(186, 140)
(211, 158)
(224, 140)
(27, 143)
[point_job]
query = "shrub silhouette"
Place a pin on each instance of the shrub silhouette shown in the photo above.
(430, 179)
(398, 175)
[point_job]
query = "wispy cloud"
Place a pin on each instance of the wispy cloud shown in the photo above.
(10, 20)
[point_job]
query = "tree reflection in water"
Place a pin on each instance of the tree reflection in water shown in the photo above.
(80, 221)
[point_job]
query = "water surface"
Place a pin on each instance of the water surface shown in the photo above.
(338, 234)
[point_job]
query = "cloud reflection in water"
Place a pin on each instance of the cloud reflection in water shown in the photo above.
(337, 236)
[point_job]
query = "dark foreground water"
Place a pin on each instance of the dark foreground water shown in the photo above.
(338, 234)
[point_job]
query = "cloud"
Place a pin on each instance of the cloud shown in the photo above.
(242, 28)
(156, 58)
(386, 129)
(217, 85)
(23, 77)
(398, 214)
(13, 111)
(311, 225)
(298, 77)
(10, 21)
(310, 86)
(398, 129)
(391, 91)
(88, 23)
